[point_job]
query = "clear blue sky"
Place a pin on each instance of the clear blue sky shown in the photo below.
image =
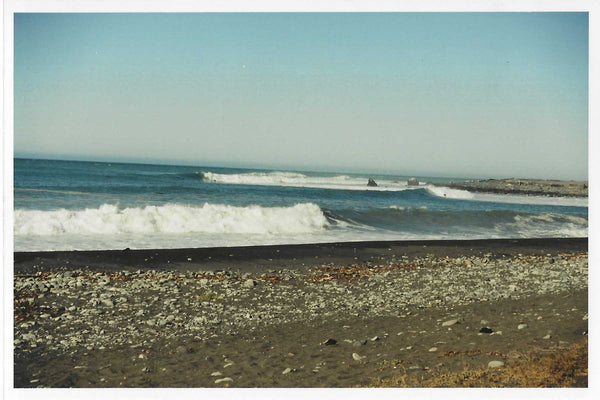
(457, 94)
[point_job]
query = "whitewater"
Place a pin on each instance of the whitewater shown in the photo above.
(69, 205)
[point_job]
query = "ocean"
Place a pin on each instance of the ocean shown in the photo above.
(76, 205)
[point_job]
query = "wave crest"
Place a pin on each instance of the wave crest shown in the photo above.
(172, 218)
(295, 179)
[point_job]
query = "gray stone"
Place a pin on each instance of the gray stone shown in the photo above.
(495, 364)
(450, 322)
(108, 303)
(250, 283)
(29, 337)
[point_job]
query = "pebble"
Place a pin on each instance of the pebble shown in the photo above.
(286, 371)
(330, 342)
(216, 373)
(522, 326)
(450, 322)
(224, 380)
(547, 337)
(358, 357)
(495, 364)
(292, 300)
(433, 349)
(29, 336)
(250, 283)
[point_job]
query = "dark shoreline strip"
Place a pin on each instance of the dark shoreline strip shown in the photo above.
(257, 258)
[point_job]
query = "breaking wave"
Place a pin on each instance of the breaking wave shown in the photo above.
(172, 218)
(295, 179)
(458, 194)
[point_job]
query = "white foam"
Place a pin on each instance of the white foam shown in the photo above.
(547, 225)
(443, 191)
(171, 218)
(294, 179)
(449, 193)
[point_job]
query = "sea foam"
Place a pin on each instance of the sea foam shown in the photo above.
(459, 194)
(294, 179)
(172, 218)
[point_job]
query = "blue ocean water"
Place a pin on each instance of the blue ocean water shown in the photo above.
(74, 205)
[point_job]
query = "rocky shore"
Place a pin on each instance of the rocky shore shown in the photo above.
(326, 325)
(525, 186)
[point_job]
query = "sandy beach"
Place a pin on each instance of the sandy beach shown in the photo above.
(330, 315)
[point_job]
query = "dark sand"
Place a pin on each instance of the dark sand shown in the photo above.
(405, 338)
(300, 257)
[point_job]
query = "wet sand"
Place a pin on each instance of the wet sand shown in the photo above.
(331, 315)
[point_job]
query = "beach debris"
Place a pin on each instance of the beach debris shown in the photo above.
(450, 322)
(375, 338)
(371, 182)
(330, 342)
(495, 364)
(222, 380)
(358, 357)
(216, 373)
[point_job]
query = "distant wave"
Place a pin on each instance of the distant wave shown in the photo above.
(172, 218)
(295, 179)
(459, 194)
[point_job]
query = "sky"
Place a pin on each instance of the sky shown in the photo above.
(434, 94)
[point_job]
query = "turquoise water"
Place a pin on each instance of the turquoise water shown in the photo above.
(64, 205)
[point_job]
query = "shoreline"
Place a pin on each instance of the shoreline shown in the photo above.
(399, 312)
(296, 256)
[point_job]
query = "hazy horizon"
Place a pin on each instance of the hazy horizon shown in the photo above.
(264, 167)
(478, 95)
